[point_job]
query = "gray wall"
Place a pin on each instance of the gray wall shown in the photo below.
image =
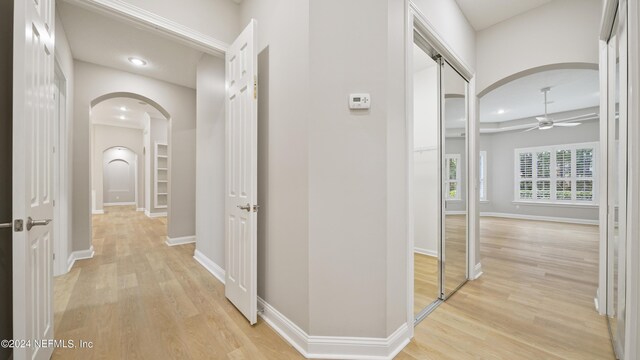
(500, 172)
(283, 231)
(93, 81)
(210, 159)
(106, 137)
(6, 118)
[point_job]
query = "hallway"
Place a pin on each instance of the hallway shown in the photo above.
(141, 299)
(138, 298)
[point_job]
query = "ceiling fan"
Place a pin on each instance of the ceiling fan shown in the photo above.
(546, 123)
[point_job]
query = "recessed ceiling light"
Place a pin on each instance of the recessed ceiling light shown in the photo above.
(501, 111)
(121, 117)
(123, 108)
(137, 61)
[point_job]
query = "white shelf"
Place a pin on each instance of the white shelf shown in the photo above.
(160, 198)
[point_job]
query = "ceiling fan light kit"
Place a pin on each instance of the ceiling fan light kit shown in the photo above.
(546, 123)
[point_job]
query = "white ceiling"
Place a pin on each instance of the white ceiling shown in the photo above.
(571, 89)
(485, 13)
(109, 112)
(109, 42)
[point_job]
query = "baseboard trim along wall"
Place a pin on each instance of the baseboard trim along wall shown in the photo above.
(79, 255)
(119, 204)
(334, 347)
(98, 212)
(540, 218)
(427, 252)
(140, 209)
(180, 240)
(208, 264)
(477, 271)
(155, 215)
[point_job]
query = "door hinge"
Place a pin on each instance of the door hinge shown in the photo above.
(53, 149)
(54, 203)
(54, 256)
(255, 87)
(18, 225)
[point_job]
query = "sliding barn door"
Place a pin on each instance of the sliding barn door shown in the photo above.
(33, 114)
(241, 210)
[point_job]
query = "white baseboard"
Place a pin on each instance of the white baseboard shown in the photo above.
(477, 271)
(155, 215)
(455, 212)
(427, 252)
(334, 347)
(208, 264)
(540, 218)
(180, 240)
(119, 204)
(140, 209)
(97, 212)
(79, 255)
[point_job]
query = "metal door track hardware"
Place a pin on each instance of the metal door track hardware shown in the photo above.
(6, 225)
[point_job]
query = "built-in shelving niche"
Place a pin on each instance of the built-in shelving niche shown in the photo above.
(162, 175)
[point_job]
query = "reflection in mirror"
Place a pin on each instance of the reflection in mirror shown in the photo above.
(616, 272)
(455, 117)
(425, 179)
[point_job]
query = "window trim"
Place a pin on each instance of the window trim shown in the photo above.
(482, 177)
(458, 179)
(573, 147)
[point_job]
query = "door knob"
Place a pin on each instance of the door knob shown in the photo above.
(31, 223)
(248, 207)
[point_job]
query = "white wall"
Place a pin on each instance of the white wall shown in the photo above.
(146, 143)
(425, 160)
(216, 18)
(563, 31)
(120, 166)
(104, 138)
(210, 159)
(452, 26)
(93, 81)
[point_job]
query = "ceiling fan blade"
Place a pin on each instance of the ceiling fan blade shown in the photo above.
(529, 129)
(579, 117)
(567, 124)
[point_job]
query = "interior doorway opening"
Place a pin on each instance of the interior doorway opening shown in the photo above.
(130, 155)
(439, 169)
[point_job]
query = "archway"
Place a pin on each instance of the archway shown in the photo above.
(120, 174)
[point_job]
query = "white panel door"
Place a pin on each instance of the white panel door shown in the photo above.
(33, 121)
(242, 174)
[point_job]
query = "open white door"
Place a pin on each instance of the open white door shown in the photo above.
(242, 174)
(33, 111)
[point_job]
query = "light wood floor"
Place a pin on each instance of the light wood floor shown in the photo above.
(534, 301)
(140, 299)
(425, 281)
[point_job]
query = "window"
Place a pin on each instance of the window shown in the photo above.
(452, 177)
(483, 175)
(563, 174)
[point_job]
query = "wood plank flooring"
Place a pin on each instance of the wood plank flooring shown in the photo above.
(534, 301)
(425, 281)
(140, 299)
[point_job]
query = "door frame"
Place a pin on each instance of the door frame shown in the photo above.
(417, 22)
(631, 8)
(61, 187)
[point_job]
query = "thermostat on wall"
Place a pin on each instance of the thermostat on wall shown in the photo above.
(359, 101)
